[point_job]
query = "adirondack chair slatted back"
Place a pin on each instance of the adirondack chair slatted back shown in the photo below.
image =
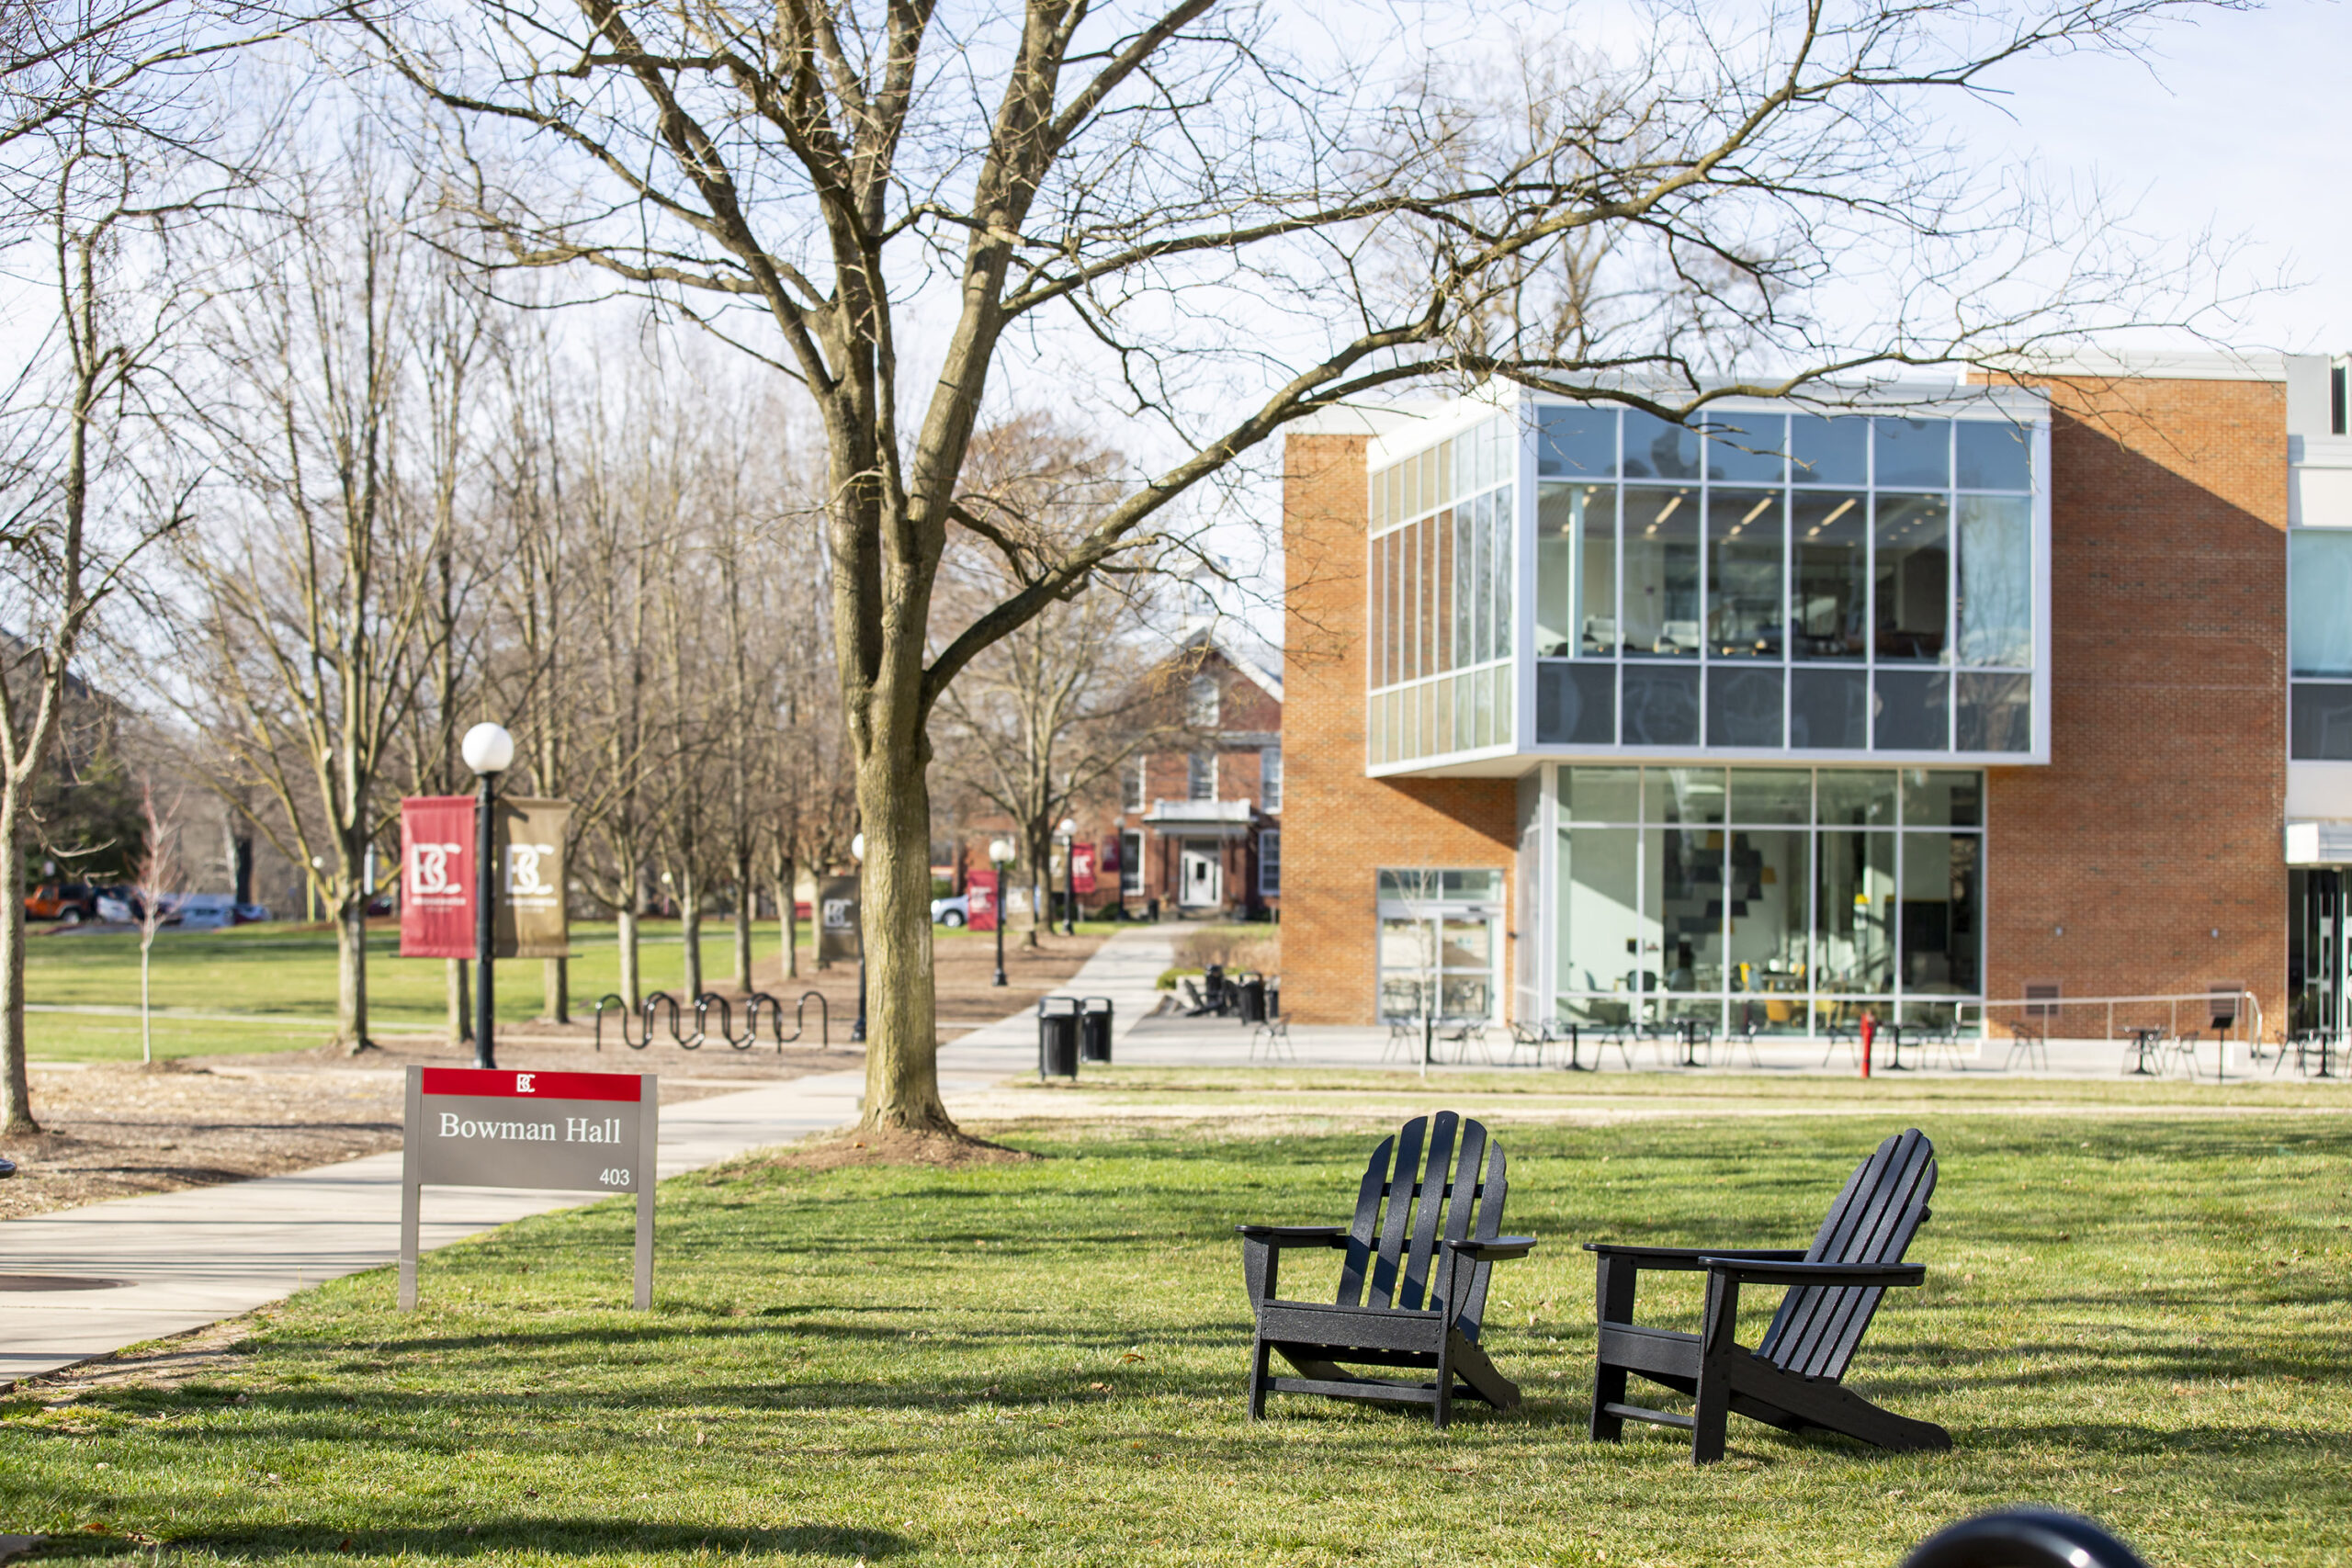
(1440, 1179)
(1885, 1202)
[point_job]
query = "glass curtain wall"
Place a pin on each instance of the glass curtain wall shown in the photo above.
(1443, 588)
(1793, 582)
(1777, 901)
(2319, 645)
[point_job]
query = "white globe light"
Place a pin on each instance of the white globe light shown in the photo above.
(1001, 851)
(1068, 828)
(488, 749)
(857, 847)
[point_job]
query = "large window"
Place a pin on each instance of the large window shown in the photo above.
(1440, 951)
(1270, 862)
(1200, 776)
(2319, 644)
(1779, 900)
(1442, 582)
(1780, 582)
(1269, 778)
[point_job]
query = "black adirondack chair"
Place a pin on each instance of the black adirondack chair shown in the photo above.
(1412, 1284)
(1792, 1380)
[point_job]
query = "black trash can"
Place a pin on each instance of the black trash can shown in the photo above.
(1058, 1037)
(1251, 994)
(1094, 1030)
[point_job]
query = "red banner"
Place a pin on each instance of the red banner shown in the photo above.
(437, 876)
(979, 902)
(1081, 867)
(479, 1082)
(1110, 856)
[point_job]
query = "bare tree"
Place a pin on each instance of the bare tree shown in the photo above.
(161, 876)
(312, 640)
(92, 477)
(875, 200)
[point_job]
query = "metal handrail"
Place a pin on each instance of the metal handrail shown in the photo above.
(2244, 1005)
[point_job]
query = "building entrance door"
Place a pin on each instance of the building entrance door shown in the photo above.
(2318, 966)
(1200, 883)
(1440, 946)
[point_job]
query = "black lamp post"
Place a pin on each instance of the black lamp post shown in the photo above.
(857, 853)
(1001, 852)
(489, 751)
(1068, 830)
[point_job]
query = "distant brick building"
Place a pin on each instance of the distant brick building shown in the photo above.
(1998, 692)
(1200, 828)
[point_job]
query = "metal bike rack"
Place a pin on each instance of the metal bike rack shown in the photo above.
(759, 1002)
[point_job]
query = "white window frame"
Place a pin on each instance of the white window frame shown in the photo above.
(1269, 861)
(1198, 765)
(1136, 781)
(1269, 778)
(1203, 702)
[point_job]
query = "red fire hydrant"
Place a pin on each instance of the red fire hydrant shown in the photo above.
(1870, 1033)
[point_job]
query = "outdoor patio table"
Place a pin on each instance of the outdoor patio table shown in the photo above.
(1686, 1030)
(1893, 1034)
(2143, 1042)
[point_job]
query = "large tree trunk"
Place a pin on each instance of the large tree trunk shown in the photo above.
(630, 993)
(461, 1012)
(555, 978)
(690, 934)
(16, 1086)
(902, 1038)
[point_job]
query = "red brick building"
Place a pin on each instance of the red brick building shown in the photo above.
(1200, 828)
(1994, 692)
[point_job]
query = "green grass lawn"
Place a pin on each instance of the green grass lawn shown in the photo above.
(2140, 1318)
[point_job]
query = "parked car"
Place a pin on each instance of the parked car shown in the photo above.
(951, 912)
(252, 914)
(119, 905)
(71, 902)
(204, 911)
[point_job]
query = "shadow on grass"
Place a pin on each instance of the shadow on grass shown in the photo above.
(553, 1537)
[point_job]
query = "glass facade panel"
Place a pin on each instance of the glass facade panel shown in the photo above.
(1996, 580)
(1743, 705)
(1661, 595)
(1661, 706)
(1933, 799)
(1772, 795)
(1994, 713)
(1768, 881)
(1576, 704)
(2319, 722)
(1993, 454)
(1828, 710)
(2319, 602)
(1830, 547)
(1913, 711)
(1703, 893)
(1747, 448)
(1854, 797)
(1743, 560)
(1600, 795)
(1575, 441)
(1657, 450)
(1854, 904)
(1914, 573)
(1683, 796)
(1911, 454)
(1941, 932)
(1824, 451)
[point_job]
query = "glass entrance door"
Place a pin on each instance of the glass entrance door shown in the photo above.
(2317, 961)
(1440, 946)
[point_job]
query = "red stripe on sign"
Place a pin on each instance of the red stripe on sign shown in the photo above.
(501, 1083)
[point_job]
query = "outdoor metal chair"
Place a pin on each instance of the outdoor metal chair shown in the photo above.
(2029, 1041)
(1274, 1035)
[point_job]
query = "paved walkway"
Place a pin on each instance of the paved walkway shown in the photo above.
(179, 1260)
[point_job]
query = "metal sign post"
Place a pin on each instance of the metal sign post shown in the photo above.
(548, 1132)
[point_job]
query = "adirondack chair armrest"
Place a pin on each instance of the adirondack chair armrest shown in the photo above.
(1296, 1236)
(1759, 1272)
(1493, 1249)
(1689, 1259)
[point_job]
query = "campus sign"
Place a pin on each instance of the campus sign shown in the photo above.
(979, 901)
(1081, 867)
(838, 921)
(548, 1132)
(438, 877)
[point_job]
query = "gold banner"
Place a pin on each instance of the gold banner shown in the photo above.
(531, 923)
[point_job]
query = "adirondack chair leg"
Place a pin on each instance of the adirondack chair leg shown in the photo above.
(1443, 1410)
(1614, 1290)
(1260, 1374)
(1717, 1345)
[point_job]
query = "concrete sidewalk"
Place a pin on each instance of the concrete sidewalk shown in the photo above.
(175, 1261)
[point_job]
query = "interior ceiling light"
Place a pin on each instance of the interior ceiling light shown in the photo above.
(1668, 512)
(1756, 510)
(1843, 507)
